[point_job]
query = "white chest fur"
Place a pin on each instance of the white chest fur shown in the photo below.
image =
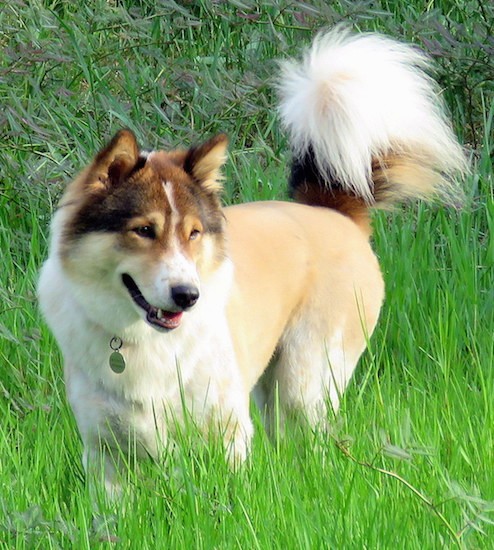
(192, 366)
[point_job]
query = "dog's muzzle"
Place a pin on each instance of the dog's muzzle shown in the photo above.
(183, 296)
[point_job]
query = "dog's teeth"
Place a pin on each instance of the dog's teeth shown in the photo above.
(159, 313)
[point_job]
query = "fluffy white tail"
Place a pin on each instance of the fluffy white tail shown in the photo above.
(363, 113)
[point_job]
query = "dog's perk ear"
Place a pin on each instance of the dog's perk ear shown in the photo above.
(115, 162)
(205, 161)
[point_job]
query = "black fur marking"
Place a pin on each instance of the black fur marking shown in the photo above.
(308, 186)
(141, 161)
(305, 173)
(110, 211)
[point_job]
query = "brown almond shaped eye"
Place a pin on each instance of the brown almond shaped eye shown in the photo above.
(145, 231)
(194, 234)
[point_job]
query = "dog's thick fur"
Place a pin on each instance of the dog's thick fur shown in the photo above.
(210, 304)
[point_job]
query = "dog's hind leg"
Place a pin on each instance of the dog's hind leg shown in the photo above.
(309, 374)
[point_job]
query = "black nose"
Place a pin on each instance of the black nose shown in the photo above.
(185, 296)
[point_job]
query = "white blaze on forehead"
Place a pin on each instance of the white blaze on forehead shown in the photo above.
(175, 217)
(178, 268)
(168, 188)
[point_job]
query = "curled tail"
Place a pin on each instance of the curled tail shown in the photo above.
(366, 125)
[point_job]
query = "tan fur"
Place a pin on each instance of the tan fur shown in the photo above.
(298, 268)
(211, 157)
(399, 177)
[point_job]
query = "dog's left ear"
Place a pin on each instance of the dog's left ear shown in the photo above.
(205, 161)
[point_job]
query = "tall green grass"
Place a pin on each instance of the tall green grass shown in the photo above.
(409, 460)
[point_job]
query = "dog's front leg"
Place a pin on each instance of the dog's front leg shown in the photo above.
(220, 404)
(237, 436)
(235, 422)
(104, 469)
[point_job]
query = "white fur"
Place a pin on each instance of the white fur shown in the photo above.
(353, 98)
(139, 406)
(168, 188)
(310, 374)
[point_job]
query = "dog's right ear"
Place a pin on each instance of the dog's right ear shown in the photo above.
(115, 162)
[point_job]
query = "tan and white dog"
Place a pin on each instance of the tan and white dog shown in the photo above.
(162, 300)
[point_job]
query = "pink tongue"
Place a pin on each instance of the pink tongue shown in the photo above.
(171, 319)
(172, 315)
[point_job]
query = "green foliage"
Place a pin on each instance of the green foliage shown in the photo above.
(409, 461)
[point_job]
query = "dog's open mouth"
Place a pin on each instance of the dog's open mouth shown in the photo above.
(155, 316)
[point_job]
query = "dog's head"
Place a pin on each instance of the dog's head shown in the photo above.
(146, 226)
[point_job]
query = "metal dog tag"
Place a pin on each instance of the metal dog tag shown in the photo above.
(117, 361)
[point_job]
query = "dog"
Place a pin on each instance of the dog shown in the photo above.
(164, 303)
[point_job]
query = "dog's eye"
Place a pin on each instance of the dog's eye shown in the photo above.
(145, 231)
(194, 234)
